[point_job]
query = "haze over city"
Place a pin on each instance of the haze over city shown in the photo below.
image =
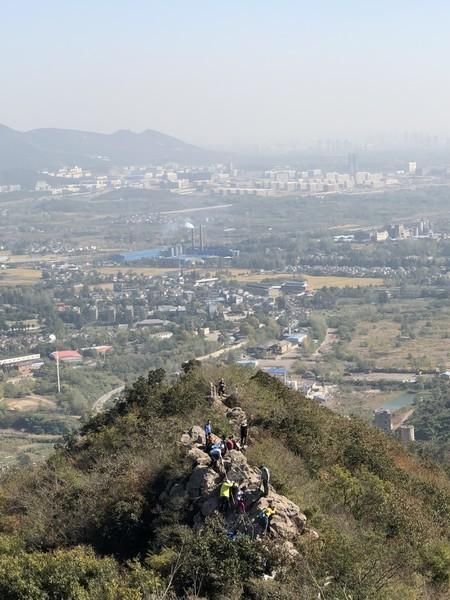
(224, 300)
(228, 74)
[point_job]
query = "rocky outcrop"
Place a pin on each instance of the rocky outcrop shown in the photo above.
(204, 484)
(201, 490)
(195, 435)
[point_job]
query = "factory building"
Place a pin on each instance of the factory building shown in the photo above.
(383, 420)
(406, 434)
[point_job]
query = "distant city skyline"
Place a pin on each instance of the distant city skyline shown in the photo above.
(228, 74)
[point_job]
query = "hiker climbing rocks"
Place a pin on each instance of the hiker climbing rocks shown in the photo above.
(265, 480)
(265, 518)
(215, 454)
(244, 432)
(209, 443)
(208, 428)
(240, 500)
(231, 443)
(225, 495)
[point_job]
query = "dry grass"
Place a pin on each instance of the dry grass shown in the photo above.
(147, 271)
(382, 342)
(329, 281)
(314, 281)
(33, 402)
(37, 447)
(245, 276)
(19, 276)
(35, 258)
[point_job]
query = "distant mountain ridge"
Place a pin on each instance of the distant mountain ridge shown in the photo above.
(51, 148)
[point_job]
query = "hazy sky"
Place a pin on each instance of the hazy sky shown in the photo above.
(227, 71)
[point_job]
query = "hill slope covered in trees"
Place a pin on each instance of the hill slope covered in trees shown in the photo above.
(95, 523)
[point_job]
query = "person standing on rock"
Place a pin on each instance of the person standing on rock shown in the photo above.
(244, 432)
(221, 387)
(208, 429)
(268, 514)
(265, 480)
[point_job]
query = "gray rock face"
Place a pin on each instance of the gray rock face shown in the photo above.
(197, 434)
(198, 457)
(203, 486)
(185, 439)
(238, 469)
(236, 414)
(194, 485)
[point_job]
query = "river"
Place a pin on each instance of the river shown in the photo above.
(400, 400)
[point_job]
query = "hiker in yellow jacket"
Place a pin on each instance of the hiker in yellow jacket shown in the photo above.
(266, 517)
(225, 495)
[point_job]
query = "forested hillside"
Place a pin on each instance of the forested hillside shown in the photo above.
(431, 420)
(97, 521)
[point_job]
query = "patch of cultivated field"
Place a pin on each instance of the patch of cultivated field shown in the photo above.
(35, 258)
(16, 446)
(315, 281)
(147, 271)
(30, 403)
(19, 276)
(245, 276)
(426, 346)
(320, 281)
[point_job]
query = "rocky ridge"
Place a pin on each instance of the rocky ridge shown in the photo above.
(201, 489)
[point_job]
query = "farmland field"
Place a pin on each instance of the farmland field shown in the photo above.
(32, 402)
(245, 276)
(34, 258)
(329, 281)
(17, 446)
(406, 335)
(19, 276)
(315, 281)
(146, 271)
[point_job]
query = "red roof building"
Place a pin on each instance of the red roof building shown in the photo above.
(67, 356)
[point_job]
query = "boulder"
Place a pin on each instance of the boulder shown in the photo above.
(197, 434)
(185, 439)
(236, 414)
(195, 482)
(202, 482)
(288, 521)
(211, 482)
(210, 505)
(198, 457)
(238, 469)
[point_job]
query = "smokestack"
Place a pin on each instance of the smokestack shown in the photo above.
(193, 239)
(201, 238)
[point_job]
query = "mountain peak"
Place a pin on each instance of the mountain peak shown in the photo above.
(51, 148)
